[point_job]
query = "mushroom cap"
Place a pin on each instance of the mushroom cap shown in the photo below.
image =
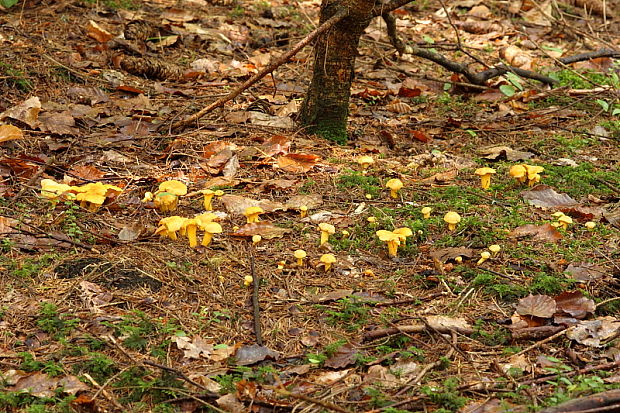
(495, 248)
(218, 192)
(557, 214)
(52, 189)
(173, 223)
(565, 219)
(485, 254)
(189, 222)
(533, 170)
(165, 198)
(518, 171)
(206, 192)
(403, 233)
(327, 259)
(325, 227)
(365, 160)
(300, 254)
(174, 187)
(394, 184)
(256, 238)
(590, 224)
(426, 210)
(204, 219)
(303, 208)
(212, 228)
(253, 210)
(485, 171)
(452, 217)
(386, 236)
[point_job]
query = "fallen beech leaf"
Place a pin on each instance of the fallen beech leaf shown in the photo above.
(7, 226)
(331, 377)
(419, 135)
(86, 172)
(445, 254)
(545, 232)
(10, 132)
(310, 201)
(26, 112)
(279, 185)
(344, 356)
(442, 323)
(298, 162)
(98, 33)
(236, 204)
(330, 296)
(178, 15)
(264, 229)
(247, 355)
(276, 145)
(544, 196)
(592, 332)
(504, 152)
(537, 305)
(441, 177)
(193, 348)
(585, 271)
(398, 107)
(59, 123)
(575, 304)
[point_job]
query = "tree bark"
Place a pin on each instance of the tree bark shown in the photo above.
(326, 106)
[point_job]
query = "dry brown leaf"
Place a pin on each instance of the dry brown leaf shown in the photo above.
(193, 348)
(236, 204)
(59, 123)
(10, 132)
(344, 356)
(311, 201)
(445, 254)
(545, 232)
(26, 112)
(540, 305)
(398, 107)
(254, 353)
(575, 304)
(298, 162)
(592, 332)
(504, 152)
(543, 196)
(178, 15)
(94, 31)
(7, 225)
(264, 229)
(585, 271)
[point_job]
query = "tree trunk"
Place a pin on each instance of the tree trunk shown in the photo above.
(326, 106)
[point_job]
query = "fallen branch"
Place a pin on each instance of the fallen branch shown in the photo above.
(589, 55)
(415, 328)
(265, 71)
(255, 304)
(607, 401)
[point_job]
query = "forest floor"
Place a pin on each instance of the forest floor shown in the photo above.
(97, 313)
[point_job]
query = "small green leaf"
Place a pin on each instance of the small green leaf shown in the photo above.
(603, 104)
(471, 132)
(428, 39)
(515, 80)
(552, 49)
(507, 90)
(615, 112)
(447, 86)
(8, 3)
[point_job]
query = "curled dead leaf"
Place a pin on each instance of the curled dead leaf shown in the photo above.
(540, 305)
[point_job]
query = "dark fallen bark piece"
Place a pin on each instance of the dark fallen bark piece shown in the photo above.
(607, 401)
(415, 328)
(536, 333)
(150, 68)
(590, 55)
(390, 24)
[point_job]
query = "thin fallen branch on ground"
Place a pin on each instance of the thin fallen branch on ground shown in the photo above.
(607, 401)
(341, 14)
(415, 328)
(324, 404)
(590, 55)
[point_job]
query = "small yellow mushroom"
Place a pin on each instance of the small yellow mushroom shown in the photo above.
(533, 174)
(300, 255)
(169, 226)
(174, 187)
(484, 255)
(495, 248)
(51, 189)
(248, 280)
(148, 197)
(365, 161)
(402, 234)
(590, 225)
(372, 220)
(485, 176)
(394, 185)
(458, 259)
(281, 265)
(303, 211)
(190, 226)
(326, 230)
(210, 228)
(452, 219)
(564, 221)
(327, 260)
(519, 173)
(392, 240)
(256, 239)
(345, 233)
(207, 201)
(558, 214)
(252, 213)
(166, 201)
(426, 212)
(368, 196)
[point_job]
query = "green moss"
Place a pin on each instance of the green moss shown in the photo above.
(331, 130)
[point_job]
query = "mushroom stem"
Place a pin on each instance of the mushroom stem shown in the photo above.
(328, 266)
(451, 227)
(191, 235)
(485, 181)
(300, 262)
(394, 193)
(208, 202)
(324, 237)
(392, 248)
(206, 240)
